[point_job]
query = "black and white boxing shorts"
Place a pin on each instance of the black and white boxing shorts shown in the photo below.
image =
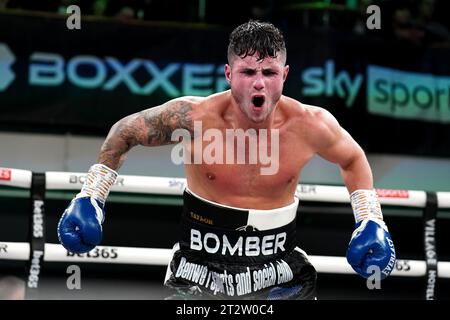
(232, 253)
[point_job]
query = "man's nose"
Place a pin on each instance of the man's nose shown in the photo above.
(258, 84)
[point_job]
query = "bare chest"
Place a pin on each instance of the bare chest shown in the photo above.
(264, 165)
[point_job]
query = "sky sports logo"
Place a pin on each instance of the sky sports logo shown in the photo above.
(390, 92)
(408, 95)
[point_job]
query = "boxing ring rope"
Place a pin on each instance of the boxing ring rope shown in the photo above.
(175, 186)
(21, 251)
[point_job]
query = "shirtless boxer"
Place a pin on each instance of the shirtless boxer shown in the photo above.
(238, 225)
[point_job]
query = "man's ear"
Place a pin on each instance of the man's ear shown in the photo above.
(227, 69)
(285, 73)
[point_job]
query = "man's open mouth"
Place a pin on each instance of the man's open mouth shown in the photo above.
(258, 101)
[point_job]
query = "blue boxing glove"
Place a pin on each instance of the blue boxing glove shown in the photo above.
(80, 227)
(371, 246)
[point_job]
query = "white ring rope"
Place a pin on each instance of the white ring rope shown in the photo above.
(20, 251)
(175, 186)
(15, 178)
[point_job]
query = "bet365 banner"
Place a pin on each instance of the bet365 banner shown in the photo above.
(392, 97)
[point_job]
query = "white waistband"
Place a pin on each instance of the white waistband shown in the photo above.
(263, 219)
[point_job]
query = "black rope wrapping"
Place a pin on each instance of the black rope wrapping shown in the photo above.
(430, 251)
(36, 235)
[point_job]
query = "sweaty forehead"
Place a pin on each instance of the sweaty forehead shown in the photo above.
(253, 62)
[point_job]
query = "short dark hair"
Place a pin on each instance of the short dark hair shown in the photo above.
(253, 37)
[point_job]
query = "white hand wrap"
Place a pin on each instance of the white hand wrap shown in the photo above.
(99, 181)
(365, 205)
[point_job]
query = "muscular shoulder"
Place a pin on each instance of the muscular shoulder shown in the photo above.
(317, 125)
(187, 103)
(318, 118)
(180, 112)
(304, 114)
(201, 105)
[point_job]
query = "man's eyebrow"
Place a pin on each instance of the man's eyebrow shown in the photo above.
(247, 69)
(254, 69)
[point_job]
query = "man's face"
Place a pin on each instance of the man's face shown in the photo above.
(256, 85)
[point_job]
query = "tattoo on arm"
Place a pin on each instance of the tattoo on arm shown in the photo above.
(161, 123)
(151, 127)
